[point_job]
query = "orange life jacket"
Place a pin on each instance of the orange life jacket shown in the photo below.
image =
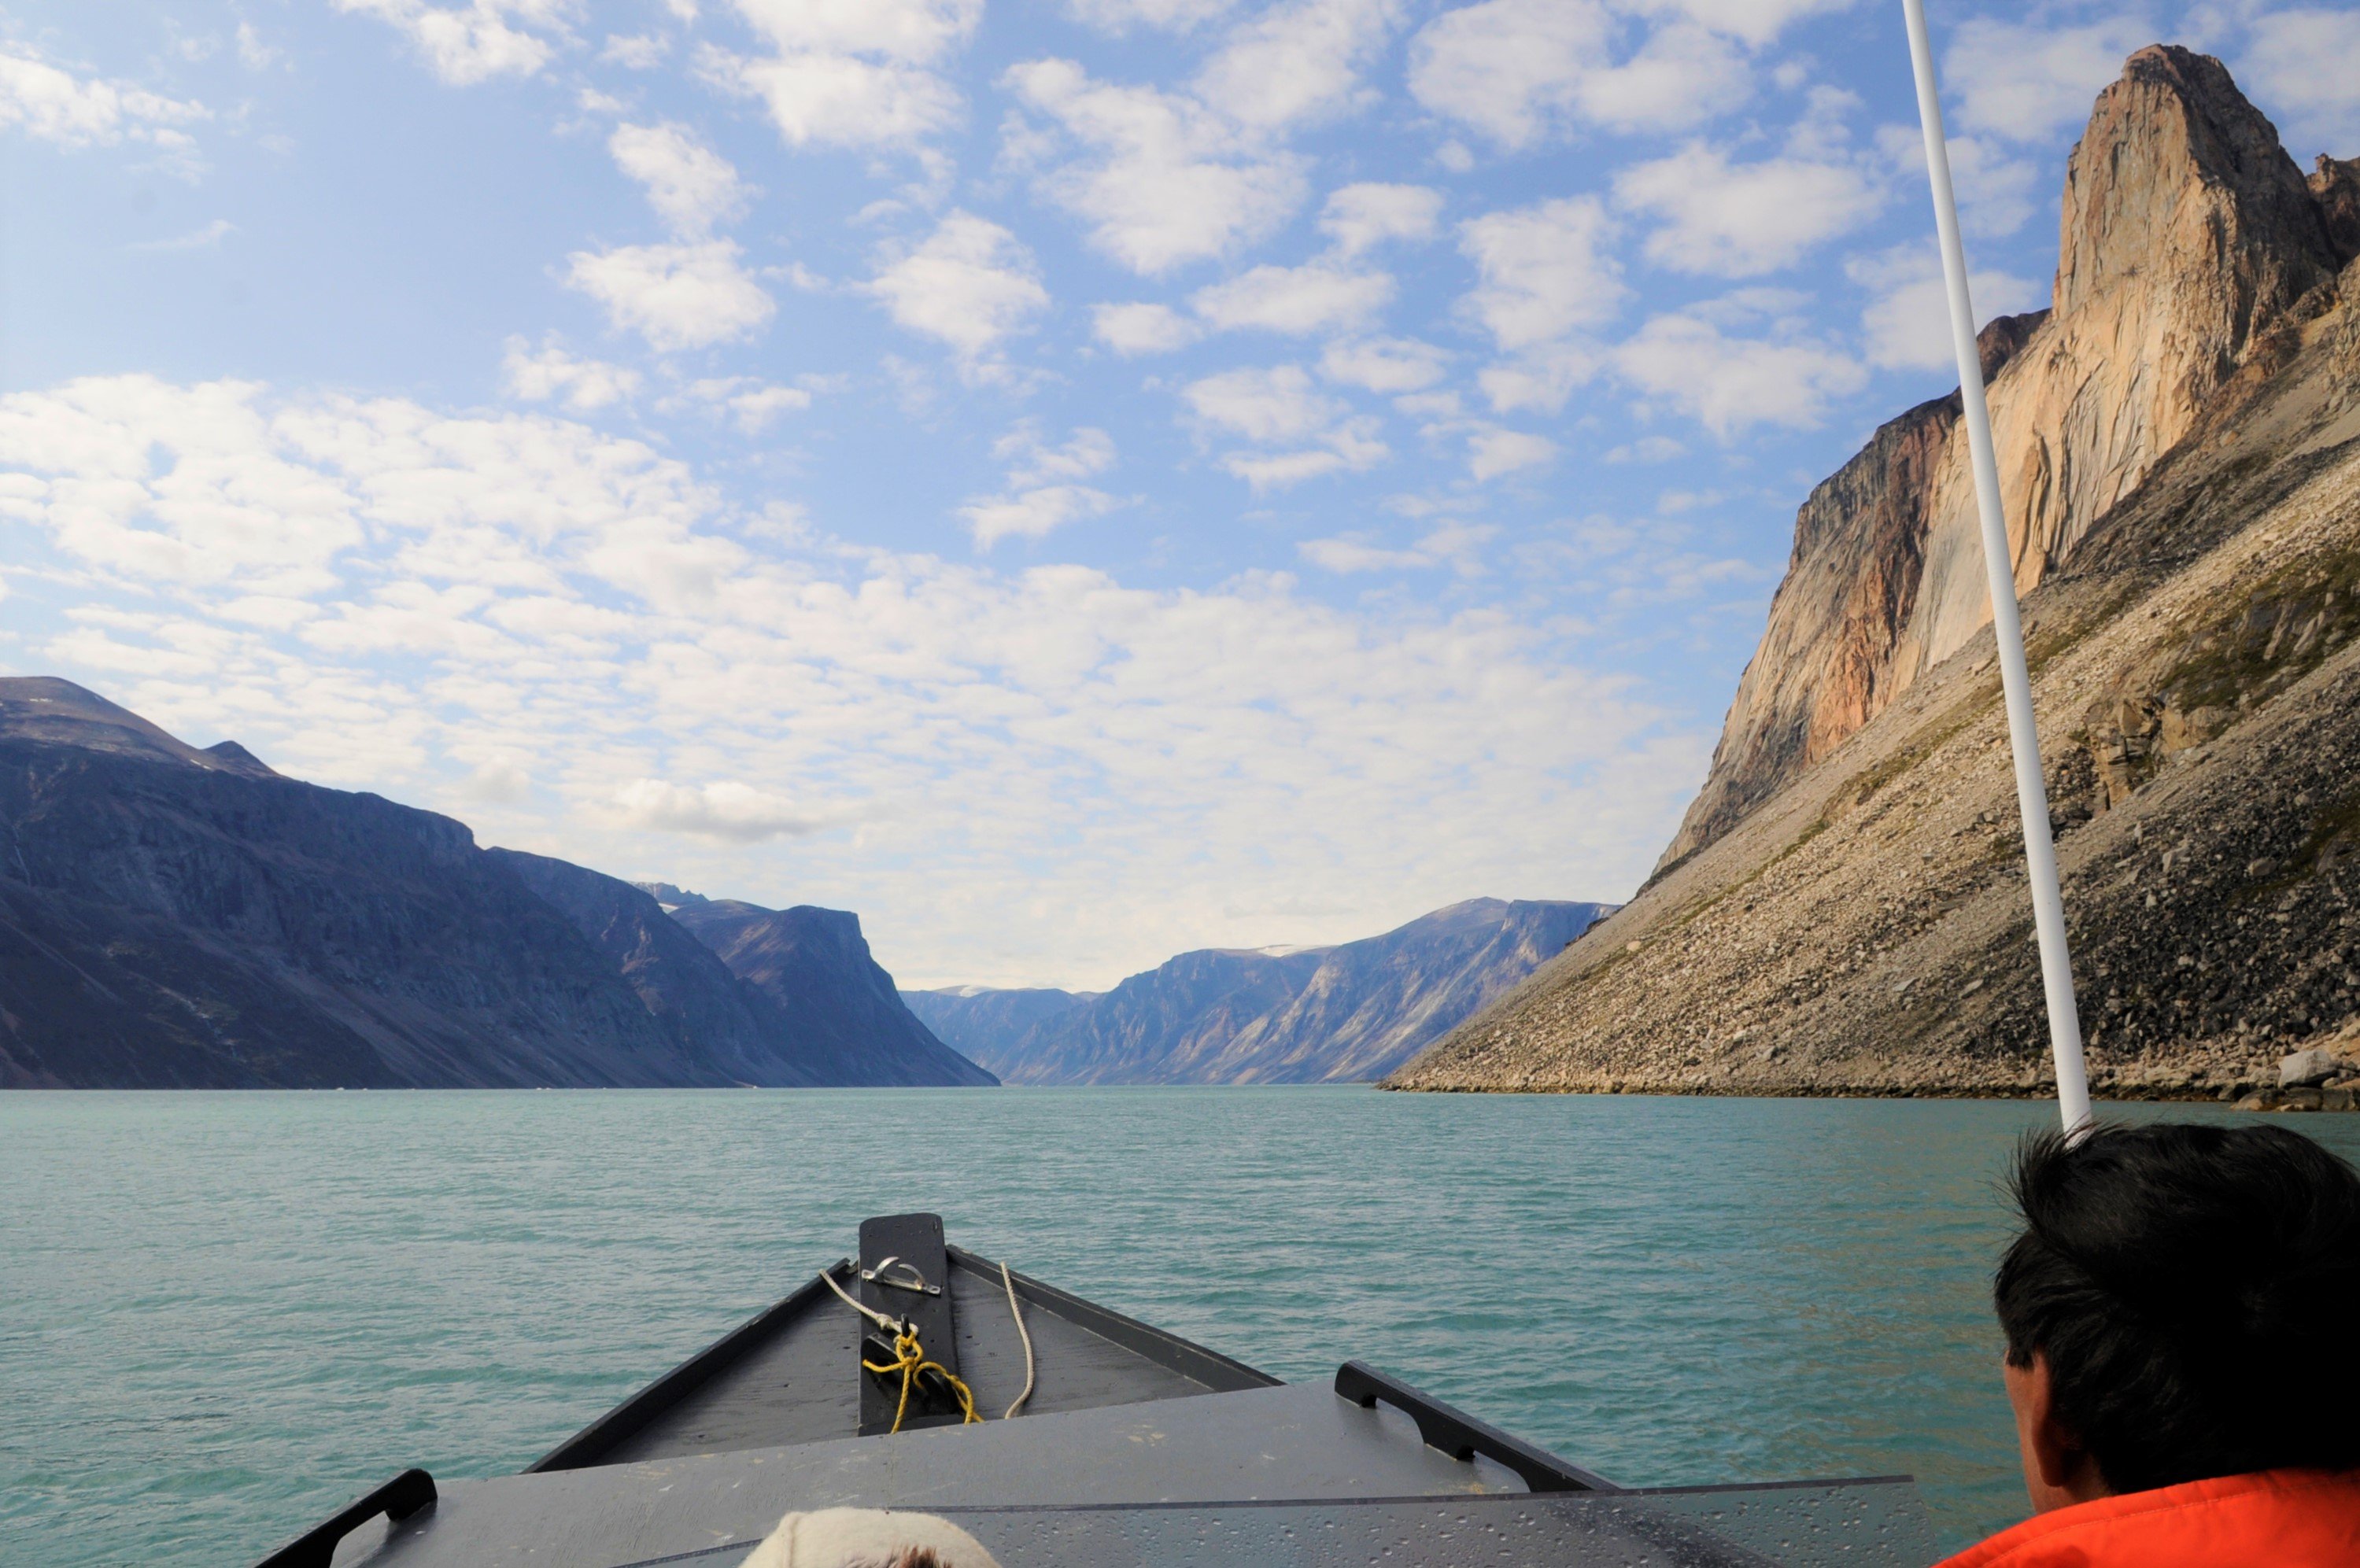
(2284, 1518)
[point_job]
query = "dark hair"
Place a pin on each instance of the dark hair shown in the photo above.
(2191, 1287)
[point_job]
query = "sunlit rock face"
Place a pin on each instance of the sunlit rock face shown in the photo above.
(1845, 909)
(2190, 244)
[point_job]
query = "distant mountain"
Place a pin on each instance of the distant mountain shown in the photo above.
(814, 967)
(985, 1024)
(172, 916)
(1320, 1015)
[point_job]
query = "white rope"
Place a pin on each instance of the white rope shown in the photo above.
(1021, 1332)
(891, 1325)
(2008, 634)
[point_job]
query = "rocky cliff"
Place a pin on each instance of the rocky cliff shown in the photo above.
(812, 969)
(2180, 447)
(984, 1024)
(172, 917)
(2189, 239)
(1345, 1014)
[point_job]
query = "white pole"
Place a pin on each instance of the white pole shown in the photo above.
(2007, 631)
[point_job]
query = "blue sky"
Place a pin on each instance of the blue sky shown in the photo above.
(1071, 481)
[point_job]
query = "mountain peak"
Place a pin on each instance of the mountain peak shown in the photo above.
(2179, 177)
(58, 713)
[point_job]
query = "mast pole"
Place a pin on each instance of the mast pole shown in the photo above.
(2007, 628)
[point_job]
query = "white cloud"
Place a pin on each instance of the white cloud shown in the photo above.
(1383, 364)
(1280, 408)
(676, 295)
(1520, 70)
(1031, 514)
(1492, 452)
(1297, 300)
(970, 284)
(1161, 179)
(916, 31)
(838, 100)
(203, 238)
(1647, 449)
(1357, 217)
(1544, 269)
(1299, 59)
(1274, 405)
(1119, 16)
(1541, 378)
(2025, 83)
(55, 106)
(252, 52)
(1455, 545)
(1038, 774)
(551, 373)
(691, 187)
(1906, 324)
(1730, 384)
(2300, 63)
(469, 44)
(1089, 452)
(637, 51)
(1681, 76)
(1740, 220)
(1135, 329)
(746, 401)
(1755, 21)
(727, 810)
(851, 72)
(1997, 194)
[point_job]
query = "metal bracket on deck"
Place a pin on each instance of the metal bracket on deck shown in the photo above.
(914, 1280)
(399, 1498)
(1461, 1436)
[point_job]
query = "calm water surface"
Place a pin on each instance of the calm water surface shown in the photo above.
(222, 1316)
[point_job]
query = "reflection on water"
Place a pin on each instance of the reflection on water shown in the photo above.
(223, 1315)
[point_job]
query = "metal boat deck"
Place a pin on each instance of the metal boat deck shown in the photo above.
(1136, 1447)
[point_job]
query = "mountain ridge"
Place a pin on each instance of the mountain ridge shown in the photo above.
(179, 917)
(1849, 917)
(1343, 1012)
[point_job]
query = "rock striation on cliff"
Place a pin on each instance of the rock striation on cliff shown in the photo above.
(1844, 910)
(172, 916)
(984, 1023)
(2188, 242)
(813, 969)
(1344, 1014)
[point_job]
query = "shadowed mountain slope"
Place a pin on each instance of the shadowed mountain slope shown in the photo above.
(814, 968)
(2180, 448)
(172, 917)
(984, 1024)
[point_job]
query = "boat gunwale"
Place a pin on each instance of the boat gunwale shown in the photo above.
(585, 1449)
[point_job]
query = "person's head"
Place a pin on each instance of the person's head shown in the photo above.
(2176, 1307)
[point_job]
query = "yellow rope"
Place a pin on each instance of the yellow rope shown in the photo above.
(912, 1362)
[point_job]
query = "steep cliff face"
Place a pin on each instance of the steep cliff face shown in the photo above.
(172, 916)
(835, 1004)
(2191, 247)
(1345, 1014)
(2195, 655)
(177, 918)
(984, 1024)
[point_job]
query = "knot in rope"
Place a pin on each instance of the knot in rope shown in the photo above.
(911, 1363)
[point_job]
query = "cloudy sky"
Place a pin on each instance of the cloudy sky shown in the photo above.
(1071, 481)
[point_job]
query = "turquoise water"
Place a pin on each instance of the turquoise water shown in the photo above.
(222, 1316)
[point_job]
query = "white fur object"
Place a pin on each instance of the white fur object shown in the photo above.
(868, 1538)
